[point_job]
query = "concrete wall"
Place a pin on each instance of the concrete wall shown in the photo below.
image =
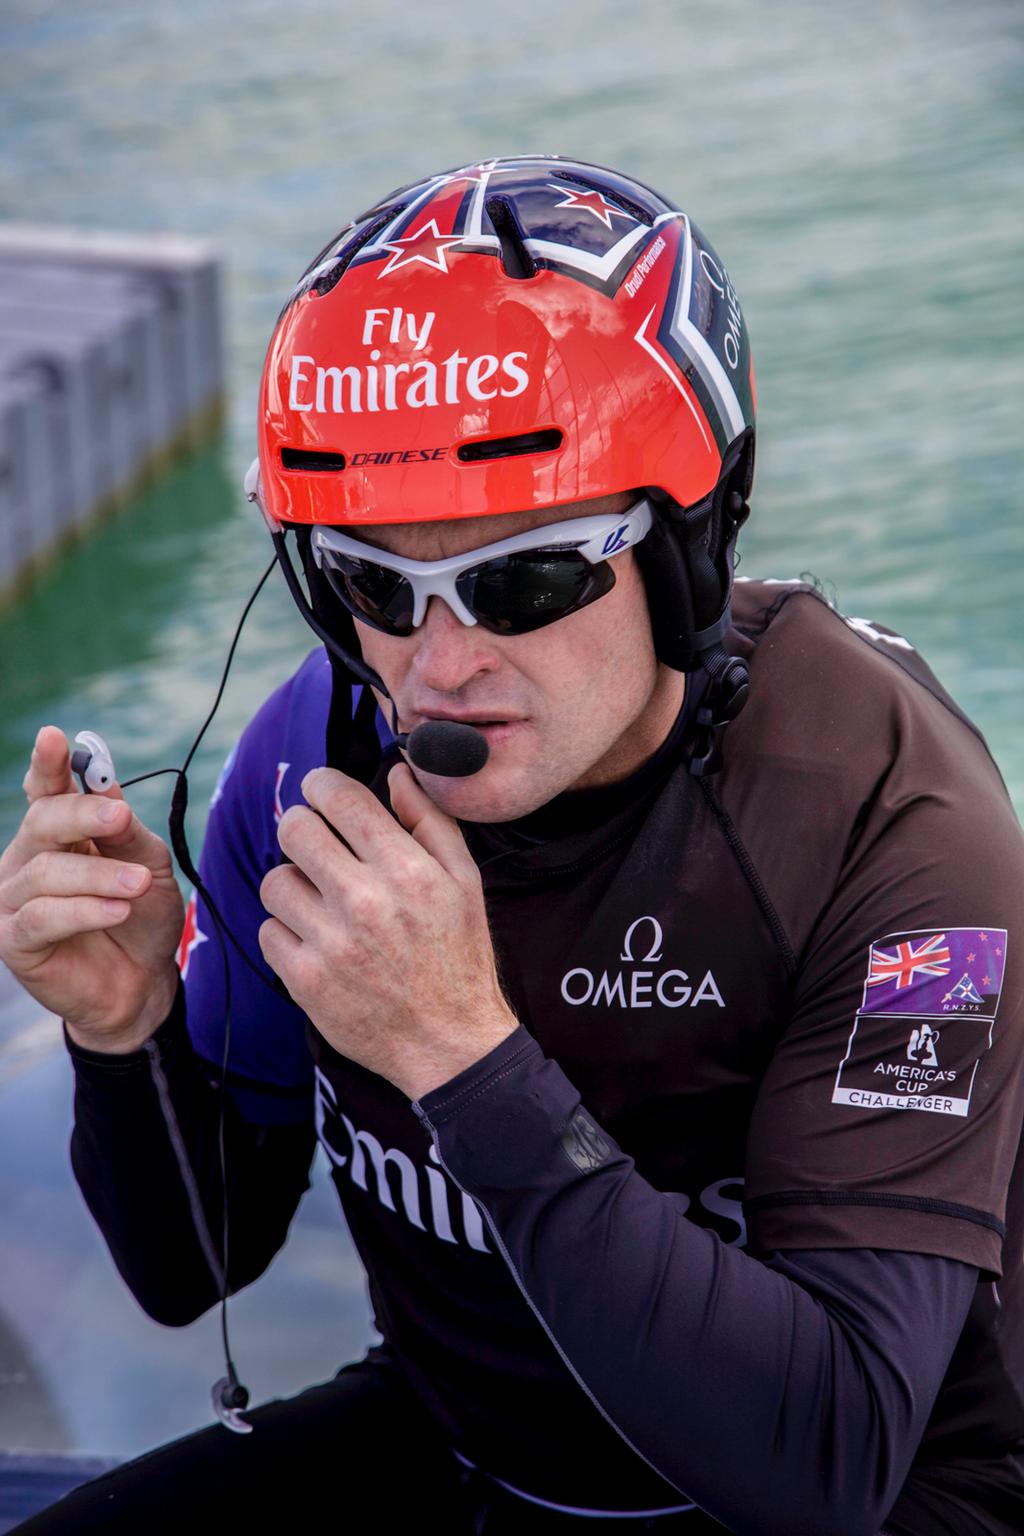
(110, 361)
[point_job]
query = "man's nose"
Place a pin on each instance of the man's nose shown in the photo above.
(450, 654)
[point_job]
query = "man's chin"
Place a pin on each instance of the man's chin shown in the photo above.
(497, 793)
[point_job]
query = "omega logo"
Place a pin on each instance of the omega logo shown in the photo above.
(639, 988)
(718, 277)
(654, 953)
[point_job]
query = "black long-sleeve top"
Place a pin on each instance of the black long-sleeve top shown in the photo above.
(729, 1223)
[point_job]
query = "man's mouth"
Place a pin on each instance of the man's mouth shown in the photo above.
(494, 726)
(479, 718)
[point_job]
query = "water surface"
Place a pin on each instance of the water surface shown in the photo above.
(858, 168)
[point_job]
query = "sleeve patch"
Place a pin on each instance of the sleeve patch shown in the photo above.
(191, 936)
(583, 1144)
(926, 1019)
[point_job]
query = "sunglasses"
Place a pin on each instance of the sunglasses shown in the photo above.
(510, 588)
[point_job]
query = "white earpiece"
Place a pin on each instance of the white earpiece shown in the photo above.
(92, 763)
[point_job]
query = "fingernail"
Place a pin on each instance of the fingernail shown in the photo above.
(109, 811)
(131, 879)
(114, 907)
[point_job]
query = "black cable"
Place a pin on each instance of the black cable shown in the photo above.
(239, 1396)
(154, 775)
(234, 1396)
(227, 665)
(179, 799)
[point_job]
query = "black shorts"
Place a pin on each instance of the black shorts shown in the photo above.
(357, 1454)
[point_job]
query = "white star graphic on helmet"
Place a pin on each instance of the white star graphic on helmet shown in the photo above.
(426, 244)
(592, 202)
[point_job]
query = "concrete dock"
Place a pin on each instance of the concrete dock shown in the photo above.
(111, 362)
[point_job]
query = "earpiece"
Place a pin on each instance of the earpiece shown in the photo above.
(229, 1398)
(92, 763)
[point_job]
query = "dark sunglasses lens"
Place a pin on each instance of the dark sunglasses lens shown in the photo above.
(514, 594)
(382, 597)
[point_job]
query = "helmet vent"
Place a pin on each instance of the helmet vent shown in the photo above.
(331, 245)
(625, 203)
(545, 441)
(311, 458)
(515, 258)
(327, 280)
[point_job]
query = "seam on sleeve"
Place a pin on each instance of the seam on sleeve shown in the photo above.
(750, 874)
(446, 1107)
(897, 1202)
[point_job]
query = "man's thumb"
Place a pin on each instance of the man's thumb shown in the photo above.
(130, 838)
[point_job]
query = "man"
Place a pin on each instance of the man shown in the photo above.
(667, 1051)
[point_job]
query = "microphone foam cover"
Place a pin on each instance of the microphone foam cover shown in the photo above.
(449, 748)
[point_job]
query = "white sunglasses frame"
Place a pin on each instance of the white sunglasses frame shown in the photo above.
(597, 538)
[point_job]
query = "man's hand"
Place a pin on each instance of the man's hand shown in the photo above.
(382, 938)
(90, 911)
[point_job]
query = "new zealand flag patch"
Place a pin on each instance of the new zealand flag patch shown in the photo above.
(926, 1018)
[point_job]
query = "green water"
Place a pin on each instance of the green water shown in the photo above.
(858, 167)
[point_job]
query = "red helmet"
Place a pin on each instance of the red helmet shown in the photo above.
(519, 333)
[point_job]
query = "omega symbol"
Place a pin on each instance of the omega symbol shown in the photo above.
(654, 953)
(639, 987)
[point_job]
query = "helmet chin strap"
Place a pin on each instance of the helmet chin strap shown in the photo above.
(450, 749)
(687, 564)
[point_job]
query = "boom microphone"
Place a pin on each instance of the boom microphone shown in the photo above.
(450, 748)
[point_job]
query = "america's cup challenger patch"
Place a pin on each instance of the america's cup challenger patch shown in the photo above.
(926, 1019)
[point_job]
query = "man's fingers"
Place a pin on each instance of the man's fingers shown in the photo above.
(311, 844)
(61, 821)
(435, 832)
(49, 770)
(64, 820)
(281, 950)
(287, 894)
(127, 837)
(53, 873)
(353, 811)
(47, 920)
(49, 776)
